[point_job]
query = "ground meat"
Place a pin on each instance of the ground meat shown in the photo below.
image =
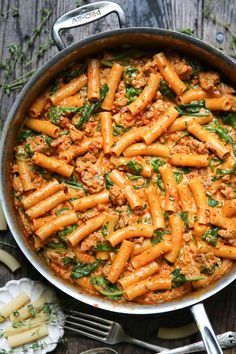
(55, 257)
(206, 260)
(120, 97)
(229, 235)
(198, 147)
(95, 146)
(124, 217)
(225, 89)
(180, 66)
(227, 191)
(91, 241)
(88, 215)
(90, 176)
(117, 195)
(17, 185)
(75, 134)
(233, 108)
(209, 80)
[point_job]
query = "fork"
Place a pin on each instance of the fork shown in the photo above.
(111, 332)
(103, 330)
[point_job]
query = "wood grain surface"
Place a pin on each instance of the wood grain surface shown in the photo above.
(171, 14)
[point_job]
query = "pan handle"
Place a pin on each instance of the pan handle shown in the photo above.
(83, 15)
(205, 328)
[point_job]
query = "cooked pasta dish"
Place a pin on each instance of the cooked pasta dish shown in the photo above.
(124, 176)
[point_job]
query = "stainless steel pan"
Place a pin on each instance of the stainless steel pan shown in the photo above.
(140, 37)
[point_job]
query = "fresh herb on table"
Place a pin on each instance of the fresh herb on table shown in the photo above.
(108, 181)
(158, 236)
(166, 91)
(193, 109)
(89, 108)
(210, 236)
(184, 217)
(188, 31)
(13, 11)
(135, 167)
(179, 279)
(104, 287)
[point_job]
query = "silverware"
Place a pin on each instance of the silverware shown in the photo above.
(226, 340)
(103, 330)
(100, 351)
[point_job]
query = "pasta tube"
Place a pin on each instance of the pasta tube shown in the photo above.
(119, 261)
(121, 181)
(47, 204)
(146, 96)
(215, 144)
(155, 149)
(69, 89)
(125, 162)
(161, 126)
(52, 164)
(90, 201)
(223, 103)
(25, 175)
(170, 185)
(229, 208)
(107, 131)
(187, 202)
(20, 300)
(28, 336)
(25, 312)
(74, 151)
(133, 230)
(191, 95)
(157, 214)
(49, 228)
(193, 160)
(42, 193)
(39, 104)
(93, 79)
(200, 198)
(138, 274)
(177, 230)
(132, 136)
(43, 126)
(220, 250)
(152, 253)
(182, 122)
(84, 230)
(169, 74)
(113, 81)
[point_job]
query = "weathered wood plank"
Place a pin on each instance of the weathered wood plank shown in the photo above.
(172, 14)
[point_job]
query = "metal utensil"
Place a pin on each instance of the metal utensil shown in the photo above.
(226, 340)
(100, 351)
(103, 330)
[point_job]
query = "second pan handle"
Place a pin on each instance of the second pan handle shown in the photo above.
(83, 15)
(206, 330)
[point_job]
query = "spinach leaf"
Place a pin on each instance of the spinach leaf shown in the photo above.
(135, 167)
(57, 245)
(229, 118)
(67, 231)
(193, 109)
(178, 177)
(166, 91)
(72, 182)
(24, 134)
(104, 287)
(184, 217)
(104, 229)
(59, 212)
(69, 261)
(185, 170)
(156, 163)
(211, 235)
(55, 113)
(89, 108)
(108, 181)
(110, 61)
(208, 271)
(222, 133)
(28, 150)
(220, 172)
(48, 140)
(179, 279)
(104, 247)
(158, 236)
(80, 270)
(68, 75)
(118, 129)
(211, 202)
(131, 72)
(195, 65)
(146, 182)
(132, 92)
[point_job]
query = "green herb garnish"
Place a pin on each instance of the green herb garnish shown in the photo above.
(166, 91)
(178, 177)
(179, 279)
(135, 167)
(104, 287)
(211, 235)
(184, 217)
(108, 181)
(193, 109)
(80, 270)
(158, 236)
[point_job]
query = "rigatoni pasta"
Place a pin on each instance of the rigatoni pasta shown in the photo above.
(124, 177)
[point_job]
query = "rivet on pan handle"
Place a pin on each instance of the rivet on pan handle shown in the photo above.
(83, 15)
(205, 328)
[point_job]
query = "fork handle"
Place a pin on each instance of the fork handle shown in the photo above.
(155, 348)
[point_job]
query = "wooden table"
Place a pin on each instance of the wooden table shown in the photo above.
(172, 14)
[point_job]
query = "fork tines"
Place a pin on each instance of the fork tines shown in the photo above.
(87, 325)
